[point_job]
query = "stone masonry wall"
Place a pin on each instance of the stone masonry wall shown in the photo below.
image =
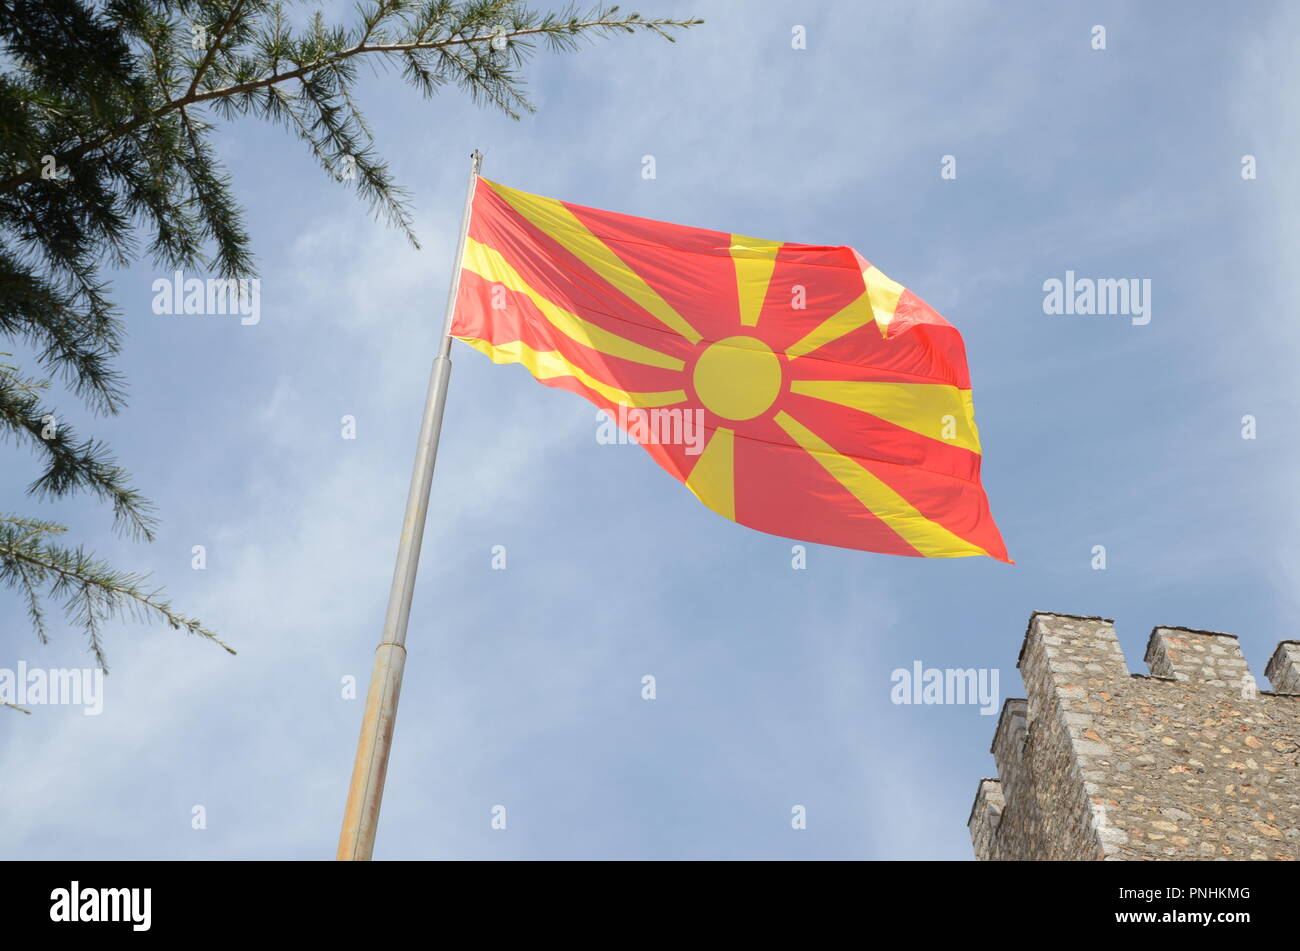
(1192, 762)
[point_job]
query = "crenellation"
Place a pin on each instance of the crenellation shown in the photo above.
(985, 816)
(1009, 741)
(1189, 762)
(1207, 657)
(1064, 654)
(1283, 670)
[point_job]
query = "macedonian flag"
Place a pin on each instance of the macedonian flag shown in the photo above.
(793, 388)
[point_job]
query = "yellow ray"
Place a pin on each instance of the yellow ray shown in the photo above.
(549, 364)
(932, 409)
(843, 321)
(557, 221)
(929, 538)
(877, 302)
(713, 478)
(488, 264)
(884, 293)
(755, 260)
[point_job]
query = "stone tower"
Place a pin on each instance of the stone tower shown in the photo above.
(1190, 762)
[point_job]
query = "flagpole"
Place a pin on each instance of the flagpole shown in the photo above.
(360, 818)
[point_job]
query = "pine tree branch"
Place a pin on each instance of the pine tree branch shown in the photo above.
(194, 97)
(214, 46)
(91, 588)
(71, 464)
(103, 141)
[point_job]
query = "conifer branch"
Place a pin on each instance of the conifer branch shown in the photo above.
(91, 590)
(107, 122)
(603, 22)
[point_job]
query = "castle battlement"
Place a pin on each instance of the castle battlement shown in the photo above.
(1192, 761)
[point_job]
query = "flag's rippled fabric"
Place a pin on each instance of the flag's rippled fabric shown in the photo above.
(835, 403)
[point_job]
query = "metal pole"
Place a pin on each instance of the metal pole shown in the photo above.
(357, 840)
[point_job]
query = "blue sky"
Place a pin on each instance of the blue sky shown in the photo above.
(523, 686)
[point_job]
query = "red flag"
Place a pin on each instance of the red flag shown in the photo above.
(793, 388)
